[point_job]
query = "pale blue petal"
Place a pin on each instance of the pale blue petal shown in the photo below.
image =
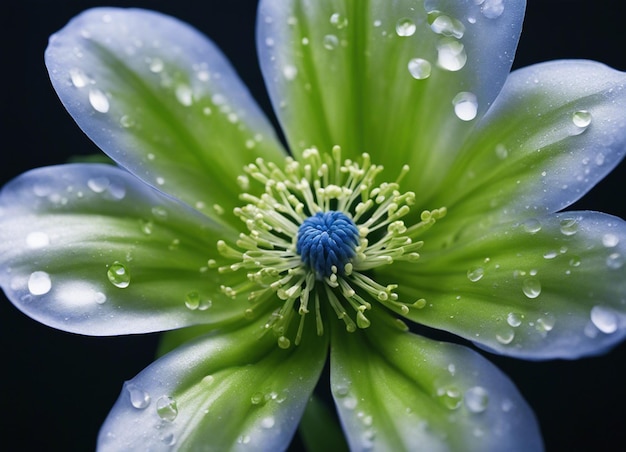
(159, 98)
(548, 287)
(91, 249)
(227, 391)
(399, 391)
(339, 73)
(554, 132)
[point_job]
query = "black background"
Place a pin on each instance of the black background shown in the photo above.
(58, 387)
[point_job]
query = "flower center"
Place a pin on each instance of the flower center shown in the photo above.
(326, 242)
(315, 234)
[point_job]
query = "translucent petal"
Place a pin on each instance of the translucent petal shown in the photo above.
(547, 287)
(383, 77)
(91, 249)
(399, 391)
(556, 129)
(160, 99)
(227, 391)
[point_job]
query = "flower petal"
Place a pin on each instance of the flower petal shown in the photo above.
(160, 99)
(399, 391)
(93, 250)
(556, 129)
(382, 77)
(549, 287)
(226, 391)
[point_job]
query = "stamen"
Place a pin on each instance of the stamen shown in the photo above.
(319, 226)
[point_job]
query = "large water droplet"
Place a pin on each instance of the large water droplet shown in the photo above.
(98, 100)
(39, 283)
(610, 240)
(451, 397)
(98, 184)
(569, 226)
(546, 322)
(581, 119)
(268, 422)
(451, 54)
(476, 399)
(492, 9)
(505, 336)
(338, 20)
(514, 319)
(138, 398)
(475, 274)
(118, 275)
(532, 226)
(79, 78)
(465, 106)
(405, 27)
(448, 26)
(605, 319)
(419, 68)
(192, 300)
(531, 287)
(166, 408)
(36, 240)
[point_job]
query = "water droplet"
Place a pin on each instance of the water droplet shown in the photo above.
(501, 151)
(341, 389)
(138, 398)
(605, 319)
(159, 213)
(505, 336)
(574, 261)
(450, 396)
(118, 275)
(492, 9)
(615, 261)
(405, 27)
(79, 78)
(36, 240)
(98, 100)
(98, 184)
(243, 439)
(448, 26)
(419, 68)
(166, 408)
(507, 405)
(268, 422)
(192, 300)
(331, 42)
(475, 274)
(290, 72)
(550, 254)
(452, 369)
(184, 95)
(531, 287)
(610, 240)
(569, 226)
(126, 121)
(514, 319)
(155, 65)
(546, 322)
(338, 20)
(465, 106)
(39, 283)
(581, 119)
(451, 54)
(257, 398)
(476, 399)
(350, 403)
(532, 226)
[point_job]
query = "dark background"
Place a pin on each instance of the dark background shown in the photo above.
(58, 387)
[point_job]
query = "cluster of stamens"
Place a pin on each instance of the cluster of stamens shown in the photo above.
(318, 228)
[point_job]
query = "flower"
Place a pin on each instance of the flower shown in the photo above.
(489, 260)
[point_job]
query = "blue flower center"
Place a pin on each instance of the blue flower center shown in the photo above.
(327, 240)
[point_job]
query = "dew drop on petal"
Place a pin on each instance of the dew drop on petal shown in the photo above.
(36, 240)
(139, 398)
(338, 20)
(419, 68)
(610, 240)
(405, 27)
(166, 408)
(98, 184)
(615, 261)
(331, 42)
(118, 275)
(98, 100)
(451, 55)
(475, 274)
(531, 287)
(605, 319)
(514, 319)
(79, 78)
(447, 26)
(39, 283)
(569, 226)
(192, 300)
(451, 397)
(581, 119)
(155, 65)
(268, 422)
(290, 72)
(476, 399)
(502, 152)
(184, 95)
(465, 106)
(532, 226)
(492, 9)
(505, 336)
